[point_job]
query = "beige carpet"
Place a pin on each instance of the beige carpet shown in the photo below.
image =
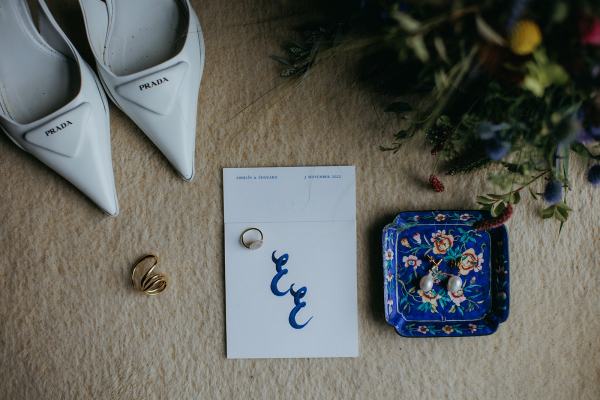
(72, 328)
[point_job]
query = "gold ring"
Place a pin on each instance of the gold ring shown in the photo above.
(145, 279)
(252, 244)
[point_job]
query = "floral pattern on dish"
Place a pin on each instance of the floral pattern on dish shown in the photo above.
(460, 250)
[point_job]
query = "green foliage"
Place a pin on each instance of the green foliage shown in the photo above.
(481, 104)
(542, 74)
(464, 164)
(558, 211)
(496, 204)
(301, 55)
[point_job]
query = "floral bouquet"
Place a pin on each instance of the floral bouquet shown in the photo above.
(513, 86)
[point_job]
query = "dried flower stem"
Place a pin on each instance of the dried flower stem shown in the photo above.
(492, 223)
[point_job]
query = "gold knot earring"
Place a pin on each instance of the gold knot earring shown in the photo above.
(145, 279)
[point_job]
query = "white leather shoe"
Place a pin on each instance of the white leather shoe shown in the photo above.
(52, 105)
(150, 57)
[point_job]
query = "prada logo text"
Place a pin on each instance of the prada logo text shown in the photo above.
(151, 84)
(58, 128)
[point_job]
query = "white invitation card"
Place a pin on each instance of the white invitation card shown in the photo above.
(294, 296)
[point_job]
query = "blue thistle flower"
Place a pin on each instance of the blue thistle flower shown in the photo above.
(586, 133)
(593, 175)
(589, 134)
(553, 192)
(496, 147)
(486, 130)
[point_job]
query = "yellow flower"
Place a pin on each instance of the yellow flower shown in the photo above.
(525, 37)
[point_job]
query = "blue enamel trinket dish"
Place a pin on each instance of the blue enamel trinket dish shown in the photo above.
(442, 277)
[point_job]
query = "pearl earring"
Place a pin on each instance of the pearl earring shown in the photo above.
(454, 284)
(426, 283)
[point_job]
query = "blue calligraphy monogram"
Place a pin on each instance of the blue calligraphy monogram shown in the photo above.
(296, 294)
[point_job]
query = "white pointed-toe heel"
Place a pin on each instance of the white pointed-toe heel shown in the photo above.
(150, 57)
(52, 105)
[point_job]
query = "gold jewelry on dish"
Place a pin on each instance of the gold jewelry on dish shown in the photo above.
(145, 279)
(435, 263)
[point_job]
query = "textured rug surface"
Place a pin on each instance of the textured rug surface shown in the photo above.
(72, 328)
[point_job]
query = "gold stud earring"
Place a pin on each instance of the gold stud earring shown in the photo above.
(145, 279)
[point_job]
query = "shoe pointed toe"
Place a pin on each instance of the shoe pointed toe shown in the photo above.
(52, 105)
(181, 152)
(161, 97)
(110, 207)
